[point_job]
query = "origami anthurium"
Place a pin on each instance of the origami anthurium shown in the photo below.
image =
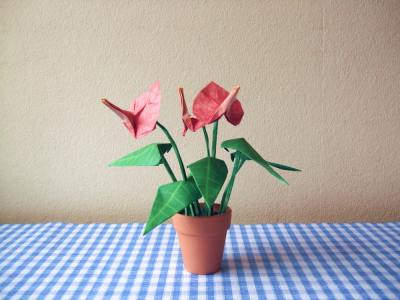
(141, 117)
(208, 174)
(214, 101)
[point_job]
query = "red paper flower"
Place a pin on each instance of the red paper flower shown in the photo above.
(189, 122)
(213, 101)
(141, 118)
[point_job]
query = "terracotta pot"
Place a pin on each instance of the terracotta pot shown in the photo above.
(202, 240)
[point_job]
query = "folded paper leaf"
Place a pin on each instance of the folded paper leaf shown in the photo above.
(141, 118)
(170, 199)
(283, 167)
(275, 165)
(245, 148)
(213, 101)
(209, 174)
(150, 155)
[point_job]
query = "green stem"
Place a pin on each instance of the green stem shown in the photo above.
(237, 164)
(191, 210)
(213, 154)
(178, 155)
(195, 209)
(207, 210)
(206, 140)
(198, 208)
(168, 168)
(214, 141)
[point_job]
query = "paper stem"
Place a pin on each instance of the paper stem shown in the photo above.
(209, 210)
(168, 168)
(214, 141)
(206, 140)
(198, 208)
(190, 209)
(178, 155)
(237, 164)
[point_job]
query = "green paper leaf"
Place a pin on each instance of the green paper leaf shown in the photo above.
(150, 155)
(245, 148)
(275, 165)
(283, 167)
(209, 174)
(170, 199)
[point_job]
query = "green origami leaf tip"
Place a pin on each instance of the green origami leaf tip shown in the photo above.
(150, 155)
(209, 174)
(283, 167)
(242, 146)
(170, 199)
(275, 165)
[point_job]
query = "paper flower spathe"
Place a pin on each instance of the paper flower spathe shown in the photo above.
(189, 122)
(141, 117)
(213, 101)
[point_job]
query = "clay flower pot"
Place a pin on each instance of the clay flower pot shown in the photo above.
(202, 240)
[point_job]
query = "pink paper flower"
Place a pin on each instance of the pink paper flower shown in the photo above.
(189, 122)
(213, 101)
(141, 117)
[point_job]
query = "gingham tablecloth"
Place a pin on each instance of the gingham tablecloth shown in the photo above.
(283, 261)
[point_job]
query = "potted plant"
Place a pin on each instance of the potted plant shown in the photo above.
(200, 222)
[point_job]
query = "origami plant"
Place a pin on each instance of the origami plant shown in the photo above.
(207, 175)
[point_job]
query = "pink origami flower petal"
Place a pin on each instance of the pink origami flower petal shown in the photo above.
(207, 101)
(224, 106)
(213, 101)
(147, 110)
(214, 92)
(142, 116)
(193, 124)
(140, 102)
(235, 113)
(188, 122)
(126, 116)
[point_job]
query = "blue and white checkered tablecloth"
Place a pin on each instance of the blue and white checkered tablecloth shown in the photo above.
(283, 261)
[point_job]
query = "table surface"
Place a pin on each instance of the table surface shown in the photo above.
(280, 261)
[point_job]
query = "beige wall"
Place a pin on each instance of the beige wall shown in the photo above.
(320, 88)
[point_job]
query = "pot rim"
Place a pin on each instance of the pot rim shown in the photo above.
(203, 225)
(227, 211)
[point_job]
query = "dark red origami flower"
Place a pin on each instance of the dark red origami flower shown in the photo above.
(211, 103)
